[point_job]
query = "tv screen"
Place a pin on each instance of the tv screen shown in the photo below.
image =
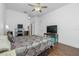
(20, 26)
(52, 29)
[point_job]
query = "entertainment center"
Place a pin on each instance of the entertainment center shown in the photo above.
(52, 32)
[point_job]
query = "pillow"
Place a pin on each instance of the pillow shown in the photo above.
(4, 43)
(8, 53)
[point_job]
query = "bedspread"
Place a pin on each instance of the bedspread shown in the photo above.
(30, 46)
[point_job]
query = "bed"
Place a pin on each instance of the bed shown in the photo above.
(30, 45)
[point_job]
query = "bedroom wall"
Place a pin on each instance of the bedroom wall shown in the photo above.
(14, 17)
(35, 21)
(2, 17)
(67, 19)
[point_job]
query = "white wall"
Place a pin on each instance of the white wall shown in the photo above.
(35, 25)
(14, 17)
(67, 19)
(2, 10)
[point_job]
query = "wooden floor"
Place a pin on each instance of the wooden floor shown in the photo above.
(63, 50)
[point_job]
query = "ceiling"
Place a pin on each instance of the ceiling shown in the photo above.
(23, 7)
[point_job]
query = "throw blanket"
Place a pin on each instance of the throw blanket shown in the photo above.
(30, 46)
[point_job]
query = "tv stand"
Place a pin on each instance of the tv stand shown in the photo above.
(49, 34)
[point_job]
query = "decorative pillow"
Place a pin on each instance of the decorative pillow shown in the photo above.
(4, 43)
(8, 53)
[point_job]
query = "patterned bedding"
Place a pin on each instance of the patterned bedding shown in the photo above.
(30, 46)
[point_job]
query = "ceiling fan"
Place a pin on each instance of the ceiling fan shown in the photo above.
(37, 7)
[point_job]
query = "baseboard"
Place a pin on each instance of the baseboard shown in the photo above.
(68, 45)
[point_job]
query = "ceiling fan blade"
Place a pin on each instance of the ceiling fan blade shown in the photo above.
(33, 10)
(30, 5)
(38, 3)
(44, 7)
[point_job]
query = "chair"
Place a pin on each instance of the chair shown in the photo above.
(54, 38)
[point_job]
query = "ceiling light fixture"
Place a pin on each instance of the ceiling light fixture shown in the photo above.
(37, 8)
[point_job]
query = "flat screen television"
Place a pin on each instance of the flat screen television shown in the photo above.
(20, 26)
(52, 29)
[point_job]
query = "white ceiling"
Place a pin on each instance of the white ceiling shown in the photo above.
(21, 7)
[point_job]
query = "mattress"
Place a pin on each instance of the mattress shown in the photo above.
(30, 46)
